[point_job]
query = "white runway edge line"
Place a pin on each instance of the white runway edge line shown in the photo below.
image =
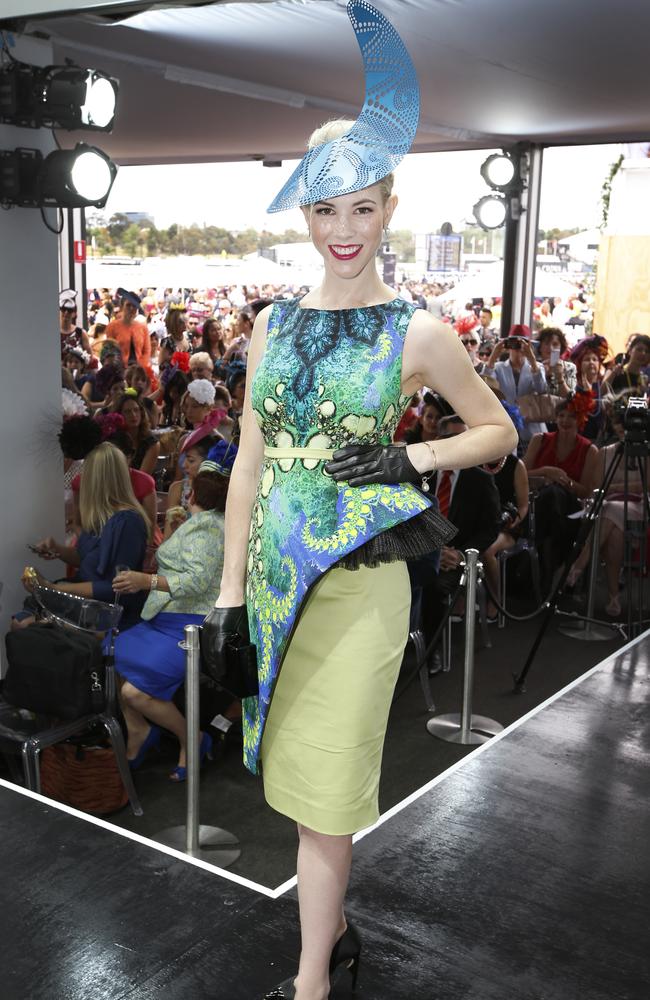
(291, 883)
(483, 748)
(139, 839)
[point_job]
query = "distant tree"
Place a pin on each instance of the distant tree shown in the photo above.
(267, 239)
(117, 226)
(130, 240)
(402, 242)
(153, 241)
(245, 242)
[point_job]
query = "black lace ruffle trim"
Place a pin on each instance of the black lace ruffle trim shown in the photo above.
(419, 536)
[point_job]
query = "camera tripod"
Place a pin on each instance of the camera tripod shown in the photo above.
(633, 450)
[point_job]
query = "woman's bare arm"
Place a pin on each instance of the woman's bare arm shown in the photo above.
(434, 356)
(150, 459)
(174, 495)
(583, 488)
(521, 491)
(243, 482)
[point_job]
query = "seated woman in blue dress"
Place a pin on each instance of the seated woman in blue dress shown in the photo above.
(181, 593)
(115, 530)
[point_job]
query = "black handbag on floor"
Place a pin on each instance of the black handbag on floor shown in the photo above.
(54, 670)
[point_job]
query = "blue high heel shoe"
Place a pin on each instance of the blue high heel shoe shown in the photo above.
(205, 750)
(152, 740)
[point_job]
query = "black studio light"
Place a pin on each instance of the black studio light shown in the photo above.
(66, 178)
(490, 211)
(499, 171)
(67, 97)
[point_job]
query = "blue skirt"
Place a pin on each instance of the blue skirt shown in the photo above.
(149, 657)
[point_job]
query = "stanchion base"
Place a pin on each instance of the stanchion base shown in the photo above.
(215, 845)
(447, 727)
(587, 632)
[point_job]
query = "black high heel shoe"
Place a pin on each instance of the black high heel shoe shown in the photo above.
(347, 950)
(283, 991)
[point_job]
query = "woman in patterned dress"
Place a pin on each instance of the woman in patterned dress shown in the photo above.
(431, 355)
(322, 512)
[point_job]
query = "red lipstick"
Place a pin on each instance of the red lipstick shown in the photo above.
(343, 251)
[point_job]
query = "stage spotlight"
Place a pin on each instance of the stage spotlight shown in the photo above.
(490, 211)
(66, 178)
(73, 178)
(498, 171)
(66, 97)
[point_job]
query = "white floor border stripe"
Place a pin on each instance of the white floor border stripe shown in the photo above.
(414, 796)
(393, 811)
(139, 839)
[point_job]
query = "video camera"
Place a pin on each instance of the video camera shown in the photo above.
(636, 420)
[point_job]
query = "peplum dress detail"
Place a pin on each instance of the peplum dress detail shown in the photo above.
(328, 378)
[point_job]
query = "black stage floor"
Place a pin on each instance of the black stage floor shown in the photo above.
(523, 874)
(232, 798)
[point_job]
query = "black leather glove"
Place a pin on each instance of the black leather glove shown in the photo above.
(224, 631)
(361, 464)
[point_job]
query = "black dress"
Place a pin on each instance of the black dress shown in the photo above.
(142, 450)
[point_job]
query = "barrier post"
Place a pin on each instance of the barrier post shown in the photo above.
(466, 728)
(208, 842)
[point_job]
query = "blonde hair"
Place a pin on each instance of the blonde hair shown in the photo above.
(106, 488)
(201, 358)
(334, 129)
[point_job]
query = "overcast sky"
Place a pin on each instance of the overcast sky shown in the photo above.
(432, 187)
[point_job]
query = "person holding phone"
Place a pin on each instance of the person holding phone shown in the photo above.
(519, 375)
(561, 376)
(627, 375)
(114, 531)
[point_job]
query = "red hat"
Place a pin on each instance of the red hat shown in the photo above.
(465, 324)
(520, 330)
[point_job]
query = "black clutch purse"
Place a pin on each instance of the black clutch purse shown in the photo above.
(227, 655)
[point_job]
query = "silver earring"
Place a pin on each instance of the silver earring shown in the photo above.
(386, 232)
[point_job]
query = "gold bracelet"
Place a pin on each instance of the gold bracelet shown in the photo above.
(153, 583)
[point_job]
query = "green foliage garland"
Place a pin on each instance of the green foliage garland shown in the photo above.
(606, 191)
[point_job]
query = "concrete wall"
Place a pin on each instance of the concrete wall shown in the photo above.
(31, 483)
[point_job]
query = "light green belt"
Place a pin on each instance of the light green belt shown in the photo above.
(320, 454)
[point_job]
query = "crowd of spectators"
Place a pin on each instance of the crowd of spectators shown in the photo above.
(153, 394)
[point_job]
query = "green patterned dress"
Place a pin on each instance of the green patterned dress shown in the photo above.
(328, 378)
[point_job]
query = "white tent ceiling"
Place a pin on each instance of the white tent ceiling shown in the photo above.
(240, 80)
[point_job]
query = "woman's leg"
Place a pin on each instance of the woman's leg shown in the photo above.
(491, 567)
(580, 564)
(323, 873)
(136, 724)
(162, 713)
(613, 552)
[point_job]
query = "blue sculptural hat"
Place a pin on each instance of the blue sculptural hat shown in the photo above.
(382, 134)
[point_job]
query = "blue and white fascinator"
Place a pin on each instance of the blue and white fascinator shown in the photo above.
(382, 134)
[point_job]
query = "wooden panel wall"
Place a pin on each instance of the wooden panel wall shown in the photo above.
(622, 302)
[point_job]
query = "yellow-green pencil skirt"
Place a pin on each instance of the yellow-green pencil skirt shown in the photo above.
(324, 737)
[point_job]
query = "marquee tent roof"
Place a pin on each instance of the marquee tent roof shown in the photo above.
(240, 80)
